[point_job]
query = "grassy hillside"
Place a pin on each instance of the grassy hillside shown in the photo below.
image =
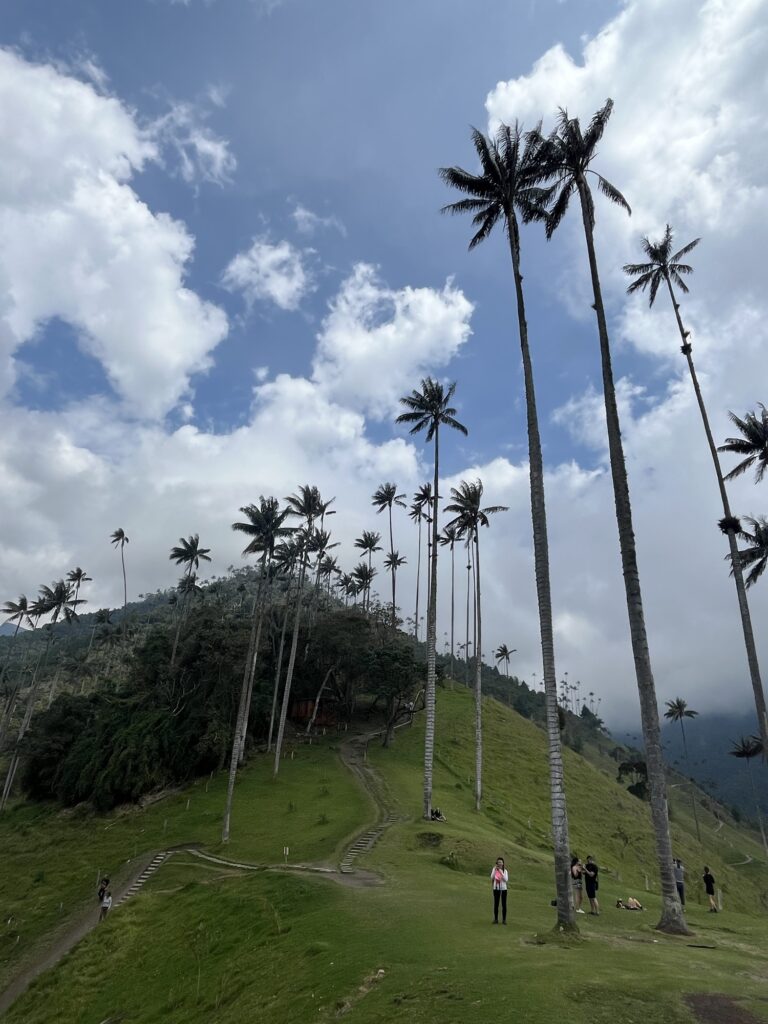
(204, 943)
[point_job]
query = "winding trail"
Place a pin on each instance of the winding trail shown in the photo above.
(353, 755)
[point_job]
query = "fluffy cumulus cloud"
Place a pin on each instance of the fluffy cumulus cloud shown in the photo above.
(376, 342)
(688, 80)
(274, 272)
(77, 243)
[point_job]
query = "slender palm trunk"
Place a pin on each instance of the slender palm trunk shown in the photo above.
(688, 766)
(757, 806)
(738, 575)
(125, 590)
(672, 917)
(466, 636)
(418, 579)
(181, 610)
(324, 683)
(265, 591)
(453, 602)
(278, 670)
(566, 918)
(7, 662)
(478, 680)
(392, 559)
(429, 731)
(291, 662)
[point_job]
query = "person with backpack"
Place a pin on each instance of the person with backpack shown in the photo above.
(709, 888)
(499, 879)
(591, 871)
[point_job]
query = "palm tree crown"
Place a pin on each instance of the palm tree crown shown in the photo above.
(119, 538)
(678, 709)
(511, 174)
(188, 552)
(747, 747)
(264, 526)
(753, 443)
(369, 542)
(386, 496)
(17, 611)
(469, 515)
(567, 154)
(430, 409)
(663, 265)
(756, 554)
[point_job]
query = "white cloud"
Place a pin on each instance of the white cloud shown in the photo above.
(308, 223)
(688, 80)
(376, 342)
(200, 153)
(270, 271)
(76, 242)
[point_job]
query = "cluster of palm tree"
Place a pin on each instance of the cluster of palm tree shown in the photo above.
(59, 601)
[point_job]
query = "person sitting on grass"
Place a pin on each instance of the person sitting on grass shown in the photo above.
(630, 903)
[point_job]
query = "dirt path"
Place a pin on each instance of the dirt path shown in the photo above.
(353, 754)
(717, 1009)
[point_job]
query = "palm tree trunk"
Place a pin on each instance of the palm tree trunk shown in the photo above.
(392, 559)
(291, 664)
(125, 590)
(16, 757)
(429, 731)
(7, 661)
(672, 917)
(453, 603)
(478, 682)
(263, 599)
(466, 637)
(738, 575)
(276, 691)
(688, 766)
(560, 830)
(418, 578)
(180, 620)
(311, 721)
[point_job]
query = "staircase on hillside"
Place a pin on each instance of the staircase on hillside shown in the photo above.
(354, 756)
(157, 861)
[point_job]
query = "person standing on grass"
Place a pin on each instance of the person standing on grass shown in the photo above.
(106, 905)
(591, 871)
(103, 886)
(680, 879)
(577, 882)
(499, 879)
(709, 887)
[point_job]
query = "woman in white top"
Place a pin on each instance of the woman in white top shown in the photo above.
(106, 905)
(499, 879)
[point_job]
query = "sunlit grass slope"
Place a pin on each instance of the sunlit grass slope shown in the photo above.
(207, 945)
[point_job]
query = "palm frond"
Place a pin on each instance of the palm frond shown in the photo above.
(685, 250)
(612, 193)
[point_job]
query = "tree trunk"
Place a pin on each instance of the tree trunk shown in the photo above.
(738, 575)
(263, 599)
(311, 722)
(566, 917)
(672, 917)
(429, 730)
(181, 608)
(125, 589)
(291, 662)
(278, 670)
(418, 578)
(466, 637)
(392, 558)
(478, 681)
(453, 603)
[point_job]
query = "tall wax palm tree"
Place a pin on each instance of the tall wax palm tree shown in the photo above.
(424, 498)
(469, 517)
(753, 444)
(664, 268)
(393, 561)
(470, 593)
(286, 558)
(507, 189)
(264, 525)
(745, 749)
(77, 577)
(417, 514)
(756, 554)
(119, 540)
(189, 553)
(568, 154)
(307, 506)
(448, 538)
(363, 576)
(503, 653)
(677, 710)
(369, 542)
(428, 410)
(385, 497)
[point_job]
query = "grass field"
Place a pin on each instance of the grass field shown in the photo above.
(203, 944)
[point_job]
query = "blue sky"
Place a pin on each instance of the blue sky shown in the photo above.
(222, 260)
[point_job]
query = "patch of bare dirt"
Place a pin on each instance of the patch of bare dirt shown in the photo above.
(719, 1009)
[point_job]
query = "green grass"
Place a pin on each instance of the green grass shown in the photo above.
(51, 861)
(202, 944)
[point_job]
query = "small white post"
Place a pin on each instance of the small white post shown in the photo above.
(647, 884)
(720, 899)
(285, 854)
(188, 799)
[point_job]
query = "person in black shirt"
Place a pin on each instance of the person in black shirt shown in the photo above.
(591, 871)
(709, 888)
